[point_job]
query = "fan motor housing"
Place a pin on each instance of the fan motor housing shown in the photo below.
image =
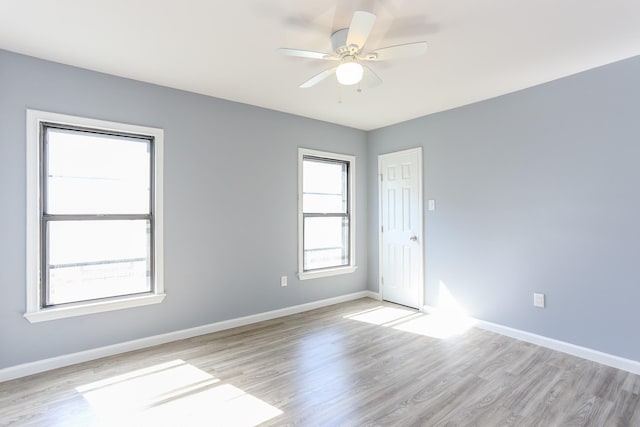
(339, 42)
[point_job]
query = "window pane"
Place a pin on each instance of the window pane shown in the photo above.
(89, 173)
(324, 186)
(326, 242)
(97, 259)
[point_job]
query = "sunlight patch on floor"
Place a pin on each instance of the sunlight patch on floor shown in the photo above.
(173, 393)
(441, 324)
(437, 325)
(381, 315)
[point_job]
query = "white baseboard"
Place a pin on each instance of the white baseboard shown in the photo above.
(38, 366)
(373, 295)
(628, 365)
(31, 368)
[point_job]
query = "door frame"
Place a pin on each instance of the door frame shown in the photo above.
(420, 231)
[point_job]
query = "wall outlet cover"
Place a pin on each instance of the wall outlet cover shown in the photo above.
(538, 300)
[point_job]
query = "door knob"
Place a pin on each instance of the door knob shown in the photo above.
(414, 238)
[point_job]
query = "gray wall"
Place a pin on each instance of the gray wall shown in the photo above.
(230, 201)
(538, 190)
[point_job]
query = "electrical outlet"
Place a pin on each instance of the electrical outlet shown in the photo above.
(283, 280)
(538, 300)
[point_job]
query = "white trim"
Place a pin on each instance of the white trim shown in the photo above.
(33, 208)
(90, 307)
(374, 295)
(34, 311)
(421, 226)
(31, 368)
(326, 272)
(628, 365)
(158, 209)
(304, 275)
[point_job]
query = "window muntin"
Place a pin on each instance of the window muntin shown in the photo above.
(94, 216)
(326, 231)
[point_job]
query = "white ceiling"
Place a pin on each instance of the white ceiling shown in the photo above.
(226, 49)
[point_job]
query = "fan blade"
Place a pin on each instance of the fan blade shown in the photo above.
(360, 28)
(370, 79)
(399, 51)
(318, 78)
(303, 53)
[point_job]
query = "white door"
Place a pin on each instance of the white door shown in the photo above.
(401, 241)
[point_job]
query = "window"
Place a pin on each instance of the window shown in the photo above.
(94, 234)
(326, 220)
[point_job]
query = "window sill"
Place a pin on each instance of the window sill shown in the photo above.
(81, 309)
(326, 272)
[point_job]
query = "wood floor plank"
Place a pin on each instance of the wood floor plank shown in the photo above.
(361, 363)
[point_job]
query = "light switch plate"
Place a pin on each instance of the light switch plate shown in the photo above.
(538, 300)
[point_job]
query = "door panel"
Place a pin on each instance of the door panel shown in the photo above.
(401, 259)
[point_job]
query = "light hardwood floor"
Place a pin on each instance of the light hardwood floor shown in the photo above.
(353, 364)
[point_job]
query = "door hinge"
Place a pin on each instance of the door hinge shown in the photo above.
(382, 228)
(382, 280)
(380, 177)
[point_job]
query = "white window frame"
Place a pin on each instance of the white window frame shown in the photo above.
(35, 312)
(331, 271)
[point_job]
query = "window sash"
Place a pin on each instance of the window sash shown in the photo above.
(133, 245)
(345, 247)
(44, 156)
(46, 218)
(346, 185)
(45, 252)
(345, 194)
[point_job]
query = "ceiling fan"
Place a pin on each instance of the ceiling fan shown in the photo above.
(348, 45)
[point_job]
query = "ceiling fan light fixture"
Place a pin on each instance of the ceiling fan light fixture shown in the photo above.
(349, 73)
(348, 44)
